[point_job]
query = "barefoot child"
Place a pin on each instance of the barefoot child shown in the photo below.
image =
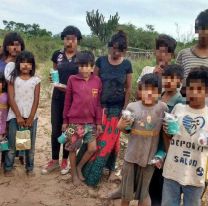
(143, 141)
(23, 92)
(185, 165)
(82, 113)
(3, 112)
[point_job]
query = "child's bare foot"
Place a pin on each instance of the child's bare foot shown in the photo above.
(76, 181)
(115, 194)
(80, 175)
(8, 173)
(113, 177)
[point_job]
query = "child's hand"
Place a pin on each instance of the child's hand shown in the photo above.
(50, 78)
(123, 123)
(165, 127)
(157, 162)
(159, 69)
(99, 130)
(20, 121)
(64, 127)
(29, 122)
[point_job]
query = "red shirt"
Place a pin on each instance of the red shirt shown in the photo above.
(82, 100)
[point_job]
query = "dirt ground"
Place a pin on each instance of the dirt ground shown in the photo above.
(53, 189)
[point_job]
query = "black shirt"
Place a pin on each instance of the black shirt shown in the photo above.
(113, 81)
(66, 67)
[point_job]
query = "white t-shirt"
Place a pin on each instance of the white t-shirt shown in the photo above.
(186, 160)
(8, 70)
(24, 96)
(145, 70)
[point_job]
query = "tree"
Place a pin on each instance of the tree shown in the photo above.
(28, 29)
(101, 28)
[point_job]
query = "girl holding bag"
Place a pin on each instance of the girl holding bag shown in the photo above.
(23, 92)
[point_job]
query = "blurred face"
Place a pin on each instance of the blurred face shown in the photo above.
(196, 93)
(70, 43)
(203, 36)
(86, 70)
(163, 56)
(171, 83)
(14, 49)
(115, 52)
(149, 95)
(25, 67)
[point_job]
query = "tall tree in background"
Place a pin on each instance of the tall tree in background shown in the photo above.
(101, 28)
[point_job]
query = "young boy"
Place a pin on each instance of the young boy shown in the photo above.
(164, 52)
(171, 81)
(185, 165)
(82, 112)
(143, 140)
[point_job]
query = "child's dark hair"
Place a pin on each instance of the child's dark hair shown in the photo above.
(173, 70)
(71, 30)
(201, 22)
(9, 40)
(23, 57)
(151, 79)
(120, 40)
(164, 40)
(3, 81)
(85, 58)
(198, 73)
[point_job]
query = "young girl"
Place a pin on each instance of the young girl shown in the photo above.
(3, 109)
(23, 91)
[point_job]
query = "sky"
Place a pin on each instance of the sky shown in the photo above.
(54, 15)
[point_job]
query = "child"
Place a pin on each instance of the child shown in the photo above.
(171, 81)
(143, 140)
(164, 52)
(185, 165)
(3, 109)
(82, 112)
(64, 62)
(23, 91)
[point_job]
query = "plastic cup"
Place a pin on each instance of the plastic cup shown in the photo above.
(4, 145)
(173, 126)
(54, 76)
(62, 138)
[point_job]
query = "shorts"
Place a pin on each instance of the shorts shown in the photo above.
(78, 133)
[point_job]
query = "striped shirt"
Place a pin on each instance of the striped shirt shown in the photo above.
(188, 59)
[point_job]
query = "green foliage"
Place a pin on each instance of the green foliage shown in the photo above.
(101, 28)
(28, 29)
(140, 38)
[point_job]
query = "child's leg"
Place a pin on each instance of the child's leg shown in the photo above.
(10, 155)
(72, 158)
(171, 195)
(29, 154)
(91, 149)
(125, 202)
(192, 195)
(145, 202)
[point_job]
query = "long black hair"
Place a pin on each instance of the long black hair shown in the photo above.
(24, 56)
(9, 39)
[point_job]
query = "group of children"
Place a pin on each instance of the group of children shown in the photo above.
(89, 114)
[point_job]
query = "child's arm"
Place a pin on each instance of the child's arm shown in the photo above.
(13, 104)
(128, 89)
(29, 120)
(67, 102)
(99, 111)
